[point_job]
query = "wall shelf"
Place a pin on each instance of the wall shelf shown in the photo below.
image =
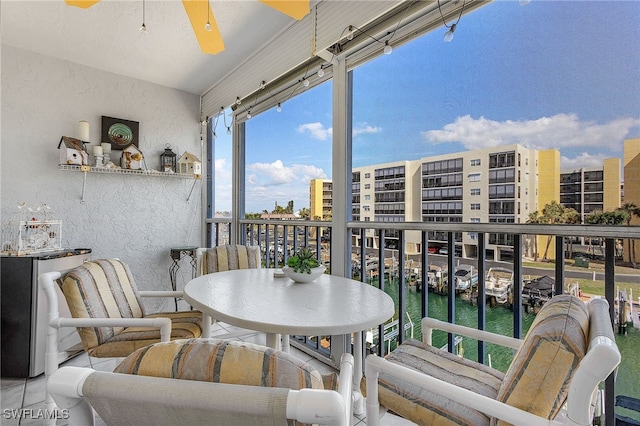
(104, 170)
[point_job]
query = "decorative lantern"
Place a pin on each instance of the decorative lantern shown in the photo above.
(168, 160)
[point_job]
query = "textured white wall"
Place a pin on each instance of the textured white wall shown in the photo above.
(135, 218)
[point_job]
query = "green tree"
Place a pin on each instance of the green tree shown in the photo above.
(555, 213)
(616, 217)
(283, 210)
(632, 210)
(534, 217)
(305, 213)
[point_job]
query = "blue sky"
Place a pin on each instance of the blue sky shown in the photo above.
(551, 74)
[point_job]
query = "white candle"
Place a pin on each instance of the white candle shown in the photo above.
(106, 147)
(83, 130)
(97, 150)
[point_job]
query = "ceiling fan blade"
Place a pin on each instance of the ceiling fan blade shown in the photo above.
(297, 9)
(199, 13)
(81, 3)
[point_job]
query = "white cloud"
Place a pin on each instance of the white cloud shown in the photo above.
(583, 160)
(276, 173)
(223, 172)
(305, 172)
(558, 131)
(365, 129)
(268, 183)
(316, 130)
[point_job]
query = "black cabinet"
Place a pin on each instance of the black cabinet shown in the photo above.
(24, 311)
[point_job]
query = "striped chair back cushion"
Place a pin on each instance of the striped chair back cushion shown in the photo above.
(221, 361)
(101, 288)
(538, 379)
(228, 257)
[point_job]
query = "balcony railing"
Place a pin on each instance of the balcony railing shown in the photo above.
(399, 271)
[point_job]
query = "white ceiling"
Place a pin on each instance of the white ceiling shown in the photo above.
(106, 36)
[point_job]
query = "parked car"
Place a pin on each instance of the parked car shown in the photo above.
(443, 250)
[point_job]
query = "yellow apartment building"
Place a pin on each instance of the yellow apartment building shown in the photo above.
(632, 189)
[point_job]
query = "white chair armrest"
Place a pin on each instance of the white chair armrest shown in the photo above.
(316, 406)
(65, 386)
(163, 323)
(430, 324)
(375, 365)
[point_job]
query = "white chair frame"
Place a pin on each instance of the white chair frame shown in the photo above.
(312, 406)
(600, 360)
(47, 282)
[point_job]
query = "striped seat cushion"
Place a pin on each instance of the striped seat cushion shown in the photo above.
(427, 408)
(538, 379)
(184, 325)
(222, 361)
(105, 288)
(229, 257)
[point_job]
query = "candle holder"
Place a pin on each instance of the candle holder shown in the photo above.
(106, 151)
(99, 162)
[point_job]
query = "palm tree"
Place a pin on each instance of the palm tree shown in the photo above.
(616, 217)
(632, 210)
(305, 213)
(535, 217)
(555, 213)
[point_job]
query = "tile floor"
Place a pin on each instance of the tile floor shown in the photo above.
(29, 394)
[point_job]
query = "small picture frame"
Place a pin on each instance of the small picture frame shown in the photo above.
(119, 133)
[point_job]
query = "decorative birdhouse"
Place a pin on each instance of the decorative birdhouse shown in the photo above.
(72, 151)
(132, 158)
(189, 163)
(168, 160)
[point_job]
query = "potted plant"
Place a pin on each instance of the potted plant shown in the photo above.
(303, 266)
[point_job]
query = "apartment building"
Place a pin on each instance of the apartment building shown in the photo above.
(385, 193)
(492, 185)
(320, 201)
(592, 189)
(632, 192)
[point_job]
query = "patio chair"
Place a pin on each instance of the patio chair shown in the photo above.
(171, 383)
(108, 312)
(226, 258)
(569, 349)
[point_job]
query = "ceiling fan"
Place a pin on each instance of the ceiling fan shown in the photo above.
(204, 24)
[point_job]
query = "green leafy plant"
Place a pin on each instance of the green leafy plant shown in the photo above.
(303, 260)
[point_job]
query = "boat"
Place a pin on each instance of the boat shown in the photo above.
(498, 284)
(437, 277)
(537, 292)
(433, 276)
(465, 278)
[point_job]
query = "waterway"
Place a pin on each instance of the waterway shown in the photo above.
(499, 319)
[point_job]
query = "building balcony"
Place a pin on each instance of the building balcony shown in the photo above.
(418, 293)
